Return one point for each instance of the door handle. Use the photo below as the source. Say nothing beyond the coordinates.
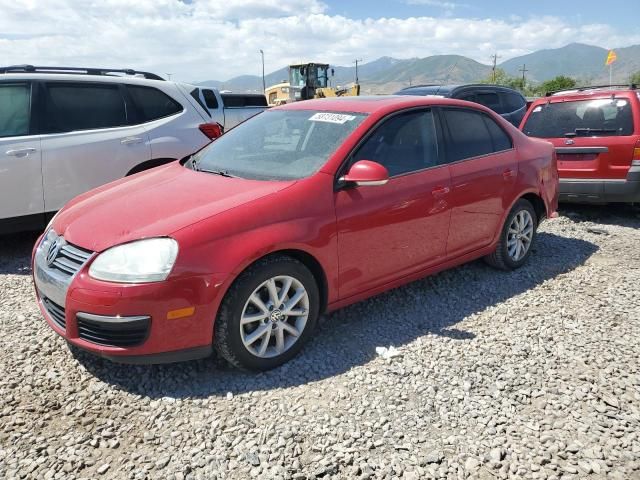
(438, 192)
(507, 174)
(20, 152)
(130, 140)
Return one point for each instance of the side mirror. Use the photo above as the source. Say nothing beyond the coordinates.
(365, 173)
(333, 72)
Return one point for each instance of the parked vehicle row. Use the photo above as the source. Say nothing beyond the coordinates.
(64, 131)
(300, 210)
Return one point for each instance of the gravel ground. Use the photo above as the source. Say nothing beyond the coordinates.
(530, 374)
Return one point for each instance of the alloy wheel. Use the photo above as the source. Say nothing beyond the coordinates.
(274, 316)
(519, 235)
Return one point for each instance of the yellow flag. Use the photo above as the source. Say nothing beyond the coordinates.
(611, 57)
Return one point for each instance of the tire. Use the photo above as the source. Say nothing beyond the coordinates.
(503, 257)
(248, 317)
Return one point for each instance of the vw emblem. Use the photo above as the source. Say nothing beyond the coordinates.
(569, 141)
(54, 248)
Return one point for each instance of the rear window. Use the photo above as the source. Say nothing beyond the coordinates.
(69, 107)
(603, 117)
(152, 103)
(231, 100)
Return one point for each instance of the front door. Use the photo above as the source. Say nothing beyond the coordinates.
(20, 155)
(390, 231)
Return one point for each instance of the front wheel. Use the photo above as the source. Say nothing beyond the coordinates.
(517, 237)
(268, 314)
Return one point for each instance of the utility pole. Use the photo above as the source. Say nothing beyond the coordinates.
(356, 62)
(168, 76)
(494, 58)
(523, 70)
(264, 88)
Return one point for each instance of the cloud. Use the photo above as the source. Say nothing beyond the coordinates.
(213, 39)
(434, 3)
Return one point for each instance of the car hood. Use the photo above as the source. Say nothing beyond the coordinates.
(154, 203)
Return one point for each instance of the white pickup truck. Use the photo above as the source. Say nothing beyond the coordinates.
(229, 109)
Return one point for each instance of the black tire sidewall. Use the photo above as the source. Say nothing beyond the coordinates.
(243, 288)
(518, 207)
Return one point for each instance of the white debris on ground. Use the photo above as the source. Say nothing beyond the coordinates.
(529, 374)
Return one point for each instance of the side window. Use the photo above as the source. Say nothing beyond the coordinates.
(469, 135)
(15, 102)
(501, 141)
(210, 99)
(404, 143)
(153, 104)
(82, 106)
(513, 102)
(490, 100)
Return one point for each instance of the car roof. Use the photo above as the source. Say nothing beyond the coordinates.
(448, 90)
(81, 78)
(374, 103)
(443, 90)
(587, 94)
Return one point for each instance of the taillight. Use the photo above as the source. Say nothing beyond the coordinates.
(636, 155)
(211, 130)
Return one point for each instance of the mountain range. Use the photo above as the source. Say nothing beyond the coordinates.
(585, 63)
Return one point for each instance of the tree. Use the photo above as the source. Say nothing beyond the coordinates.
(635, 78)
(503, 78)
(558, 83)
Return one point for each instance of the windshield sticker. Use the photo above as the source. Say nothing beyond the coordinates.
(331, 117)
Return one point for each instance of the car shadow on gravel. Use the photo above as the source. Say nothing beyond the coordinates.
(348, 338)
(617, 214)
(15, 253)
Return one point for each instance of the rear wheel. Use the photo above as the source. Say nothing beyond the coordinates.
(517, 237)
(268, 314)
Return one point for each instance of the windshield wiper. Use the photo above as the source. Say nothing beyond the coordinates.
(587, 131)
(222, 173)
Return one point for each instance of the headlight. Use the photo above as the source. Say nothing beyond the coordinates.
(137, 262)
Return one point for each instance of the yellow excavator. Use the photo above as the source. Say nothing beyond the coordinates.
(307, 81)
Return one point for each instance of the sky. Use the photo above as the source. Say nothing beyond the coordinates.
(196, 40)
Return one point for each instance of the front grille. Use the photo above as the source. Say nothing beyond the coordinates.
(70, 259)
(56, 312)
(113, 332)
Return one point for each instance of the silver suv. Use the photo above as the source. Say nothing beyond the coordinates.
(64, 131)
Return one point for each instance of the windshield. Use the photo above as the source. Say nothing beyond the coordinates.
(599, 118)
(278, 144)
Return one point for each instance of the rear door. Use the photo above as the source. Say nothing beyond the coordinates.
(86, 138)
(20, 153)
(594, 138)
(483, 166)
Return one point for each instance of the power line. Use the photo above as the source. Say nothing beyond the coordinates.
(523, 70)
(356, 62)
(494, 58)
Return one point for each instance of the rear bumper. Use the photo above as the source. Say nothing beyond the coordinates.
(582, 190)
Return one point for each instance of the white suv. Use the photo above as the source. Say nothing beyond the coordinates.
(64, 131)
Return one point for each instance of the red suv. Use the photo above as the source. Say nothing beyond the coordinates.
(300, 210)
(596, 132)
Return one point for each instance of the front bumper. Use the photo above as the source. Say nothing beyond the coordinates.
(581, 190)
(129, 323)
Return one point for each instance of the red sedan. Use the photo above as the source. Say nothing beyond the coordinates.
(301, 210)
